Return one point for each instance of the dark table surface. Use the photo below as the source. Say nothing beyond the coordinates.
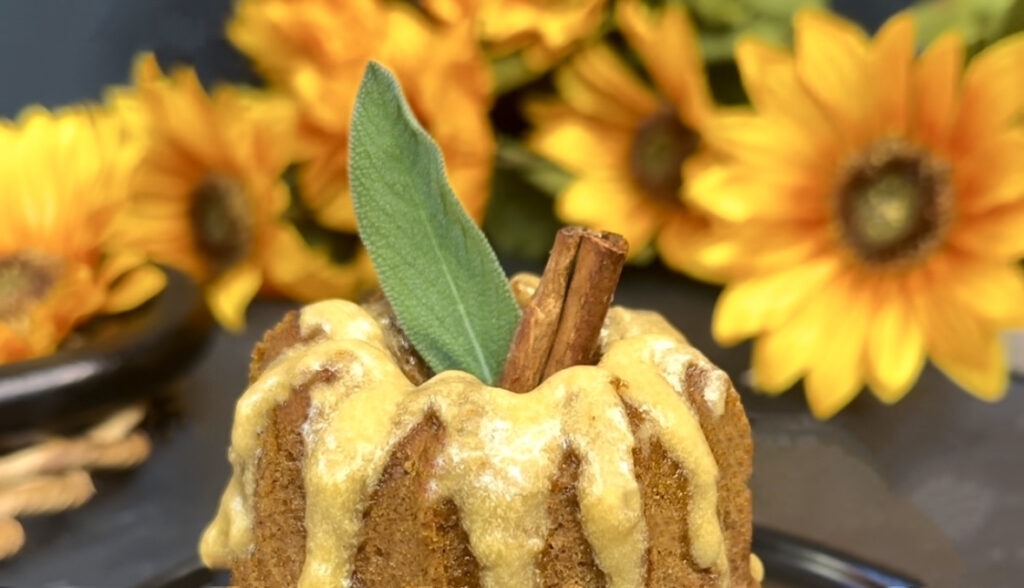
(933, 486)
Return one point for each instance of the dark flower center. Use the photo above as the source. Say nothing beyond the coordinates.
(894, 203)
(661, 144)
(25, 278)
(221, 221)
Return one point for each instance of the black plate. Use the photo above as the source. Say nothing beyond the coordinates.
(789, 562)
(108, 361)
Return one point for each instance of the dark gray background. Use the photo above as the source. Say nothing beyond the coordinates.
(58, 51)
(54, 52)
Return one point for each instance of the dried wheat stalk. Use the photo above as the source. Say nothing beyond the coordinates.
(53, 476)
(12, 537)
(46, 494)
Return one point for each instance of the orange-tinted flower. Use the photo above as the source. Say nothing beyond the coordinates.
(208, 195)
(64, 177)
(316, 50)
(544, 31)
(875, 224)
(635, 151)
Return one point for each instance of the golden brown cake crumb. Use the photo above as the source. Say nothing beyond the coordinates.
(663, 488)
(279, 548)
(567, 559)
(404, 533)
(283, 336)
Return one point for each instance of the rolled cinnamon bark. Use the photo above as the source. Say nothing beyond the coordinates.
(562, 323)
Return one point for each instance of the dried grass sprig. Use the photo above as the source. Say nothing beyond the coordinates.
(53, 475)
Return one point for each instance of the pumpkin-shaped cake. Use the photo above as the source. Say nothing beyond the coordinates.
(350, 470)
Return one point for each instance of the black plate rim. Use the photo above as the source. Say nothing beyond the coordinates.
(785, 556)
(69, 385)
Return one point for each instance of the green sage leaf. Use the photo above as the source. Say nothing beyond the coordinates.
(447, 288)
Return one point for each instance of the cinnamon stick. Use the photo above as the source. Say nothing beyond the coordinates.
(535, 334)
(561, 324)
(599, 264)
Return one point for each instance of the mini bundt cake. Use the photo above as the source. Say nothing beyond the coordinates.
(355, 466)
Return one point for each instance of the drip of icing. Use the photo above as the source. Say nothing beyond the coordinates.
(715, 390)
(501, 452)
(637, 361)
(756, 568)
(229, 536)
(503, 449)
(339, 320)
(624, 323)
(345, 455)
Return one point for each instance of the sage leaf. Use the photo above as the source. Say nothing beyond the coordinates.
(448, 290)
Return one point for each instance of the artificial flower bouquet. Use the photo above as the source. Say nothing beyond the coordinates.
(858, 196)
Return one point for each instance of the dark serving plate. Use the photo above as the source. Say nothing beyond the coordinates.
(106, 362)
(790, 562)
(793, 562)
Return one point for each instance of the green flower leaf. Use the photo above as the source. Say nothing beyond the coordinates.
(447, 288)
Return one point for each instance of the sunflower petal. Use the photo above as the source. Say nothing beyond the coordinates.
(998, 233)
(760, 247)
(991, 175)
(230, 294)
(836, 375)
(134, 288)
(993, 88)
(182, 110)
(895, 347)
(119, 263)
(338, 212)
(597, 84)
(579, 145)
(831, 60)
(770, 79)
(991, 291)
(781, 356)
(767, 144)
(893, 52)
(612, 204)
(680, 243)
(966, 349)
(298, 271)
(748, 307)
(757, 60)
(935, 80)
(983, 371)
(14, 346)
(666, 43)
(323, 186)
(736, 194)
(145, 68)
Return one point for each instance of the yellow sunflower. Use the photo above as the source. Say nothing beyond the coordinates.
(291, 46)
(634, 151)
(878, 202)
(544, 31)
(64, 178)
(442, 72)
(208, 195)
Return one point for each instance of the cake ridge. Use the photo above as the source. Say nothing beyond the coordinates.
(651, 388)
(229, 536)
